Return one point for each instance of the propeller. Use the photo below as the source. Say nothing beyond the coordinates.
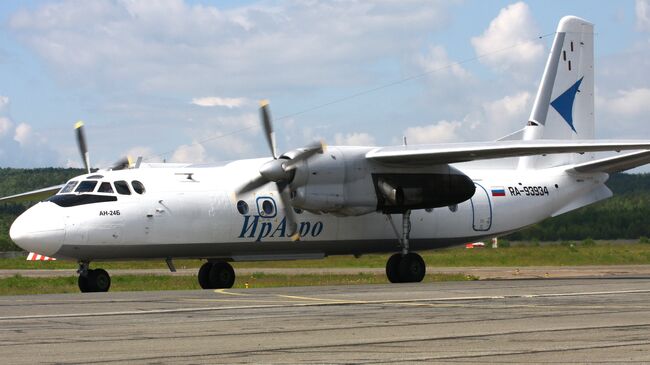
(81, 142)
(280, 170)
(123, 163)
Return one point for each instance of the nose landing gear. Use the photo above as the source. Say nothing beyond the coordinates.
(92, 281)
(405, 267)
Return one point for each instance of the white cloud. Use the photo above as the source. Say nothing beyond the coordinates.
(194, 153)
(513, 26)
(623, 113)
(4, 102)
(217, 101)
(23, 133)
(147, 153)
(642, 11)
(442, 131)
(627, 103)
(186, 47)
(437, 62)
(5, 126)
(507, 114)
(354, 139)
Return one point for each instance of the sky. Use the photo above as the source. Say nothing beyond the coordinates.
(180, 80)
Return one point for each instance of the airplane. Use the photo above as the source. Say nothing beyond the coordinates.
(320, 200)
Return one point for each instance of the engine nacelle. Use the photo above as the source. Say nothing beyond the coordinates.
(398, 192)
(341, 181)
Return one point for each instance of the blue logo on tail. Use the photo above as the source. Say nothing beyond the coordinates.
(564, 103)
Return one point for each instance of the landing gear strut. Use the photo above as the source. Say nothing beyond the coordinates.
(405, 267)
(91, 281)
(216, 275)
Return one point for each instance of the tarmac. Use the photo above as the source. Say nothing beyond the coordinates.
(483, 273)
(587, 320)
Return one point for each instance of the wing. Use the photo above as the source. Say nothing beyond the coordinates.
(39, 194)
(614, 163)
(463, 152)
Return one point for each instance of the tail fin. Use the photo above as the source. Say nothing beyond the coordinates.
(564, 105)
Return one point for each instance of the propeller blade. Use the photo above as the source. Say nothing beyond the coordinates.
(290, 216)
(123, 163)
(81, 142)
(268, 127)
(257, 182)
(303, 154)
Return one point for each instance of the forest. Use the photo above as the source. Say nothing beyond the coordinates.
(624, 216)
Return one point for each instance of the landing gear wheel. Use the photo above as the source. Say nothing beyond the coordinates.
(412, 268)
(84, 287)
(96, 280)
(99, 280)
(204, 276)
(221, 276)
(392, 268)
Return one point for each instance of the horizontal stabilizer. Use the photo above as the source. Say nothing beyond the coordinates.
(600, 192)
(615, 163)
(463, 152)
(33, 195)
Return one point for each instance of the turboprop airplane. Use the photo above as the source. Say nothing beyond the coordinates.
(318, 201)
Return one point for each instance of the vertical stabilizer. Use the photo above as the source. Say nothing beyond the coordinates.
(564, 104)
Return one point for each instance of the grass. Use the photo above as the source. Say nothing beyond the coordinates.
(19, 285)
(560, 254)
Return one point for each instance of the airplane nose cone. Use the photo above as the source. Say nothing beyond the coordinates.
(40, 229)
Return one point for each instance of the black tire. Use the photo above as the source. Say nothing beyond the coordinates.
(84, 287)
(222, 276)
(392, 268)
(412, 268)
(204, 276)
(99, 280)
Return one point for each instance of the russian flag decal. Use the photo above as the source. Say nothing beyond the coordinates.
(498, 191)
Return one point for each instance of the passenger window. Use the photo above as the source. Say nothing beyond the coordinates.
(68, 188)
(122, 187)
(137, 187)
(105, 187)
(86, 186)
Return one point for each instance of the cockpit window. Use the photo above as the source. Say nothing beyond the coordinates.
(86, 186)
(137, 187)
(105, 187)
(122, 187)
(68, 188)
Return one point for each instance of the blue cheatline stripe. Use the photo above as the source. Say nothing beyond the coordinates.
(564, 103)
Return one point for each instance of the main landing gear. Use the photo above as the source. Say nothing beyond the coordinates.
(216, 275)
(405, 267)
(91, 281)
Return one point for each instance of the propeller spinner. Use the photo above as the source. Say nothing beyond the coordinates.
(280, 170)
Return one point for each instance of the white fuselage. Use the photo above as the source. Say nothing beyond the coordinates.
(193, 212)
